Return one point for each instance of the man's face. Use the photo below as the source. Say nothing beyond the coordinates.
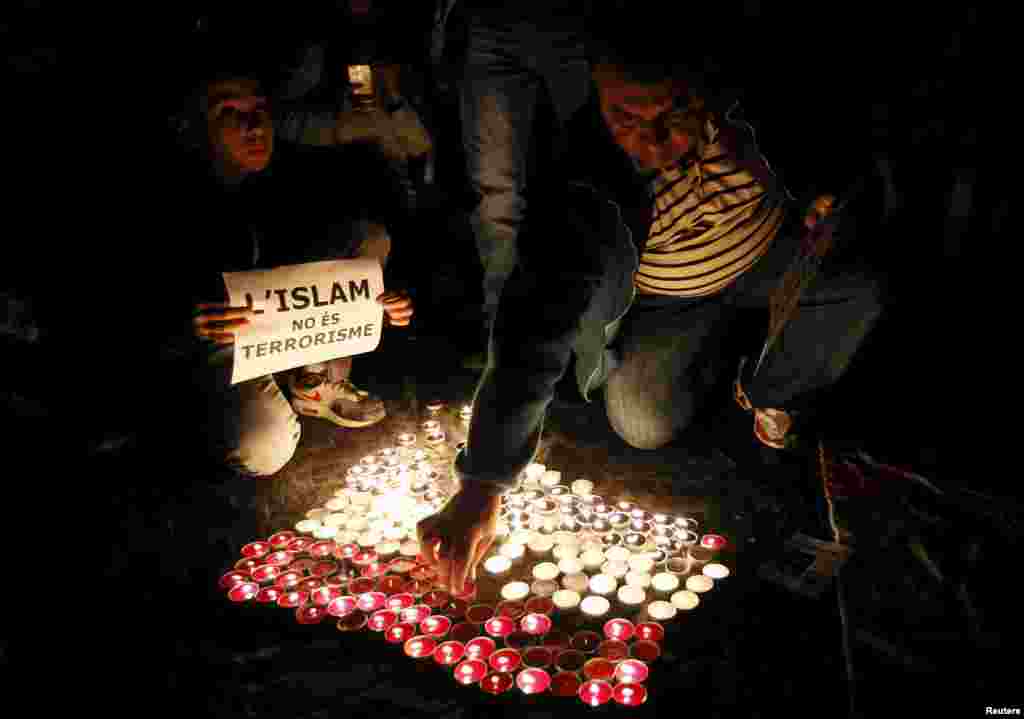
(645, 119)
(241, 131)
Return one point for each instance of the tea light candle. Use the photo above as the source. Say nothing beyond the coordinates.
(600, 526)
(630, 695)
(420, 647)
(602, 584)
(545, 570)
(280, 540)
(699, 583)
(570, 660)
(497, 565)
(595, 606)
(535, 624)
(595, 692)
(582, 487)
(505, 660)
(631, 671)
(499, 627)
(614, 568)
(415, 614)
(631, 595)
(621, 629)
(540, 544)
(661, 610)
(513, 610)
(497, 683)
(576, 582)
(544, 587)
(449, 653)
(533, 681)
(566, 551)
(645, 651)
(233, 579)
(634, 541)
(638, 579)
(341, 606)
(641, 565)
(649, 632)
(685, 600)
(399, 601)
(243, 592)
(512, 551)
(436, 626)
(566, 599)
(612, 539)
(537, 657)
(618, 520)
(470, 671)
(371, 601)
(715, 570)
(677, 565)
(613, 649)
(382, 620)
(515, 590)
(521, 536)
(592, 559)
(685, 537)
(599, 668)
(665, 582)
(401, 633)
(714, 542)
(268, 595)
(291, 599)
(307, 526)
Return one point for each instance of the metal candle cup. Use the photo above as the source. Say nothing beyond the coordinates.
(352, 622)
(497, 682)
(630, 695)
(470, 671)
(533, 681)
(540, 605)
(599, 668)
(400, 633)
(535, 624)
(613, 649)
(449, 653)
(631, 671)
(595, 692)
(420, 647)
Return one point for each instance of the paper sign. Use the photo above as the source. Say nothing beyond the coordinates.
(305, 314)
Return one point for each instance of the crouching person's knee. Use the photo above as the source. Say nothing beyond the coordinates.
(645, 425)
(265, 447)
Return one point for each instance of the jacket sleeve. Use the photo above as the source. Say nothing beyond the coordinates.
(536, 326)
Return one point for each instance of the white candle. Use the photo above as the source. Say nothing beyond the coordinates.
(699, 583)
(357, 524)
(512, 550)
(541, 544)
(346, 537)
(603, 584)
(545, 570)
(565, 537)
(566, 551)
(386, 550)
(336, 504)
(632, 595)
(715, 570)
(325, 532)
(592, 545)
(395, 533)
(570, 565)
(592, 559)
(307, 526)
(661, 610)
(515, 590)
(641, 565)
(497, 565)
(551, 478)
(575, 582)
(566, 599)
(582, 487)
(409, 549)
(595, 606)
(615, 568)
(665, 582)
(638, 579)
(522, 536)
(685, 600)
(370, 539)
(618, 554)
(544, 587)
(337, 519)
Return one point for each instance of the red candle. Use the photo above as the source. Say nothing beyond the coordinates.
(352, 623)
(449, 653)
(266, 572)
(585, 641)
(556, 639)
(341, 606)
(436, 626)
(645, 651)
(336, 580)
(371, 601)
(361, 585)
(535, 624)
(437, 598)
(420, 647)
(364, 558)
(537, 657)
(245, 565)
(613, 649)
(243, 592)
(499, 626)
(621, 629)
(310, 614)
(303, 565)
(540, 605)
(631, 671)
(392, 585)
(480, 648)
(419, 587)
(323, 595)
(570, 660)
(279, 558)
(468, 592)
(310, 584)
(630, 695)
(255, 550)
(280, 540)
(268, 595)
(288, 580)
(464, 631)
(401, 565)
(533, 681)
(479, 613)
(565, 684)
(505, 660)
(422, 572)
(599, 668)
(324, 569)
(322, 549)
(291, 599)
(713, 542)
(301, 544)
(415, 614)
(512, 609)
(400, 633)
(470, 671)
(496, 683)
(233, 579)
(649, 631)
(595, 692)
(518, 639)
(400, 601)
(455, 608)
(346, 551)
(382, 620)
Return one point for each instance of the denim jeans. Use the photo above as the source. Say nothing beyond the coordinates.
(251, 426)
(509, 70)
(670, 356)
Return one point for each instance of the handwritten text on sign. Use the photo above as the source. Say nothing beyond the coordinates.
(305, 314)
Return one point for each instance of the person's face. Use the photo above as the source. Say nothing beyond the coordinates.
(241, 131)
(645, 119)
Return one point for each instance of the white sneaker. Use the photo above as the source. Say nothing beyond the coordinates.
(339, 402)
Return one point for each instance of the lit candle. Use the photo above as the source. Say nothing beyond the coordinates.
(341, 606)
(243, 592)
(661, 610)
(618, 628)
(399, 601)
(449, 653)
(420, 647)
(595, 692)
(233, 579)
(685, 600)
(497, 683)
(535, 624)
(522, 536)
(515, 590)
(287, 580)
(382, 620)
(638, 579)
(371, 601)
(512, 551)
(566, 599)
(544, 587)
(537, 657)
(630, 695)
(631, 671)
(614, 568)
(497, 564)
(533, 681)
(575, 582)
(631, 595)
(280, 540)
(699, 583)
(470, 671)
(595, 606)
(714, 542)
(602, 584)
(307, 526)
(401, 633)
(540, 544)
(570, 565)
(612, 539)
(599, 668)
(499, 627)
(436, 626)
(600, 526)
(582, 487)
(715, 570)
(649, 632)
(291, 599)
(545, 570)
(613, 649)
(505, 660)
(636, 542)
(685, 537)
(268, 595)
(664, 582)
(618, 520)
(570, 660)
(592, 559)
(566, 551)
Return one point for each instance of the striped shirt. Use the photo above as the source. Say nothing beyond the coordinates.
(712, 221)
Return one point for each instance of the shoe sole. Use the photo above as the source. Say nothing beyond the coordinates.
(331, 416)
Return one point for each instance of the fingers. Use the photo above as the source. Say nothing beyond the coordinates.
(428, 543)
(458, 567)
(481, 551)
(397, 306)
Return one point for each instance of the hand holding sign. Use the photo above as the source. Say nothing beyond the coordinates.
(397, 308)
(218, 321)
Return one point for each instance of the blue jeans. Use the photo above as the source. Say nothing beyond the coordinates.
(508, 70)
(672, 355)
